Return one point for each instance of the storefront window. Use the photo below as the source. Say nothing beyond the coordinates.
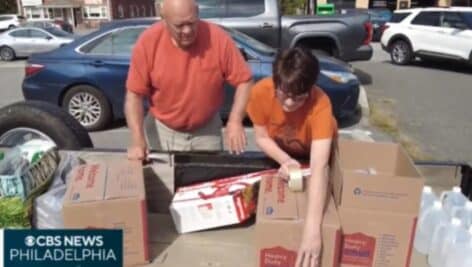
(95, 12)
(36, 13)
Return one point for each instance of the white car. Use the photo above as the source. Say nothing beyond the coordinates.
(429, 33)
(24, 41)
(8, 22)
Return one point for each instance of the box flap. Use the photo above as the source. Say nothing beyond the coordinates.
(276, 201)
(124, 179)
(87, 183)
(376, 156)
(105, 180)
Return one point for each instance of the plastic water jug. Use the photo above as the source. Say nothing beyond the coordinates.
(460, 253)
(444, 239)
(452, 199)
(464, 214)
(427, 223)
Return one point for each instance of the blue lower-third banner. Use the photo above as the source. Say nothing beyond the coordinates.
(64, 248)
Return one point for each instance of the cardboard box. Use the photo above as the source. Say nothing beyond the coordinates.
(376, 239)
(376, 176)
(214, 204)
(378, 192)
(110, 194)
(280, 222)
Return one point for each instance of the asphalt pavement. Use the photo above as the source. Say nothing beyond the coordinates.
(430, 99)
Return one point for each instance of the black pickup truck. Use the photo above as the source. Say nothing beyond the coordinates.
(346, 37)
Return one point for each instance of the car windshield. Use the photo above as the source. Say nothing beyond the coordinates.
(253, 43)
(468, 18)
(57, 32)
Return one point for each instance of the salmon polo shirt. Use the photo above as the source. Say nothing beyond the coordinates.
(185, 86)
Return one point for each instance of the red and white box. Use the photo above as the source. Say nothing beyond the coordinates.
(217, 203)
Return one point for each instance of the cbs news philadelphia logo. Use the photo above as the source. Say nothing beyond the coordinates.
(35, 248)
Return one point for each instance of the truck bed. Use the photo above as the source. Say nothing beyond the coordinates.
(229, 246)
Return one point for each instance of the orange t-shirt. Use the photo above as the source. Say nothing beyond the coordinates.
(185, 86)
(292, 131)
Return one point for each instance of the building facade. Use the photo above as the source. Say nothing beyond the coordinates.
(86, 13)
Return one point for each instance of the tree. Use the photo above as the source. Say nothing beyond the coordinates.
(8, 7)
(290, 7)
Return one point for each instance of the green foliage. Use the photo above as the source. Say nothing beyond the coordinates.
(14, 213)
(289, 7)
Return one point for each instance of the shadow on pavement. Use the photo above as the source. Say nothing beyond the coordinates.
(444, 65)
(364, 77)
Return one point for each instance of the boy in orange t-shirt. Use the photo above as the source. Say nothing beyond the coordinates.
(292, 118)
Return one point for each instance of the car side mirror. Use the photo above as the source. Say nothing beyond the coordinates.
(48, 38)
(243, 52)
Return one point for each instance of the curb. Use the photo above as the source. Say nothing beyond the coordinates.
(363, 102)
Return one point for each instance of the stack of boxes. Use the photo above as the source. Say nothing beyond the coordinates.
(376, 196)
(377, 190)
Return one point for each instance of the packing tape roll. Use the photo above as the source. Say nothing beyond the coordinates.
(295, 179)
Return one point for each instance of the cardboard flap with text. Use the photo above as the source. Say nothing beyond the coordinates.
(119, 179)
(276, 202)
(374, 175)
(382, 192)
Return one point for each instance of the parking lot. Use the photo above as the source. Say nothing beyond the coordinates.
(429, 101)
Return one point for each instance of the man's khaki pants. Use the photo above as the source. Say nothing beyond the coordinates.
(162, 138)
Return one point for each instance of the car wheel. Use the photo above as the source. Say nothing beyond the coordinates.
(27, 120)
(11, 27)
(88, 106)
(7, 53)
(400, 52)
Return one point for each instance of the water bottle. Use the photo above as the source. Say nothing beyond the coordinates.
(427, 199)
(460, 253)
(464, 214)
(452, 199)
(444, 236)
(427, 223)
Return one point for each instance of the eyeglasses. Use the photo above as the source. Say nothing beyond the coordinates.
(282, 96)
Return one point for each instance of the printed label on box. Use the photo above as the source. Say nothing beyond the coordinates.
(277, 257)
(358, 249)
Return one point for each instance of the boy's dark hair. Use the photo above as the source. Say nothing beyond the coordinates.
(295, 71)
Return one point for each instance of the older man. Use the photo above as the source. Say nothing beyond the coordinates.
(181, 64)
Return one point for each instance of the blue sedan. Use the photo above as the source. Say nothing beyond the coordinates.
(87, 77)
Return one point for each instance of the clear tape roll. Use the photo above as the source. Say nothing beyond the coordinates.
(295, 180)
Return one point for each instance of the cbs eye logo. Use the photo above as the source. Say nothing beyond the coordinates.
(30, 241)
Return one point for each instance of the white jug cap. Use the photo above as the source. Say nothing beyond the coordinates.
(456, 189)
(427, 189)
(456, 221)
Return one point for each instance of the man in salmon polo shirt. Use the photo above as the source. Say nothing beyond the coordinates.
(180, 66)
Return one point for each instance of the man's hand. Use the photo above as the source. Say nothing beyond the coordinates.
(137, 152)
(235, 137)
(309, 253)
(284, 170)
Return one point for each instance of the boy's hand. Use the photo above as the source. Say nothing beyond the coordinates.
(309, 253)
(284, 169)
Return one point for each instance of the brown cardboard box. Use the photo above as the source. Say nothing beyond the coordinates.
(280, 221)
(376, 239)
(377, 190)
(376, 176)
(110, 194)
